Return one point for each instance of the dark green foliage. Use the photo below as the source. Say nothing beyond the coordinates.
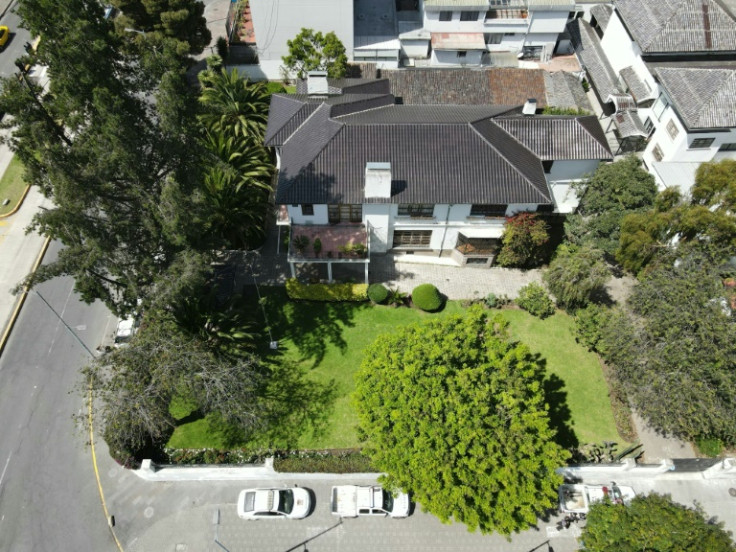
(397, 298)
(575, 274)
(551, 110)
(652, 522)
(534, 299)
(590, 323)
(318, 461)
(493, 301)
(454, 412)
(676, 359)
(614, 191)
(310, 51)
(326, 292)
(427, 297)
(317, 246)
(378, 293)
(710, 447)
(213, 456)
(223, 49)
(301, 242)
(524, 238)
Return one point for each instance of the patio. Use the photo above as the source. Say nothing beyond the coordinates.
(328, 244)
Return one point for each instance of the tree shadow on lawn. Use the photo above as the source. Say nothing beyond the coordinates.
(310, 325)
(559, 413)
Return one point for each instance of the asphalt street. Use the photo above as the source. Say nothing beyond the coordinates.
(49, 500)
(14, 47)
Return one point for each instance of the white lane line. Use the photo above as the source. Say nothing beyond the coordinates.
(2, 475)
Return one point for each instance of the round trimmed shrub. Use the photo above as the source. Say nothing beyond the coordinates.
(427, 297)
(533, 298)
(377, 293)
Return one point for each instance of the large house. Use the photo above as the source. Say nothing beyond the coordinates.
(393, 33)
(666, 72)
(355, 167)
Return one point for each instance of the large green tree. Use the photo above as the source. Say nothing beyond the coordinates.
(311, 51)
(677, 356)
(614, 191)
(454, 412)
(708, 216)
(575, 274)
(525, 238)
(652, 523)
(108, 144)
(180, 21)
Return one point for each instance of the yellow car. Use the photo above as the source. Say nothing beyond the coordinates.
(4, 36)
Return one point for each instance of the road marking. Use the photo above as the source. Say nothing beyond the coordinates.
(2, 476)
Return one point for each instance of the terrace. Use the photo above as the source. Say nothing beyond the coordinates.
(328, 244)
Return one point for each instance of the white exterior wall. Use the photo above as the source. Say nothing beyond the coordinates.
(551, 22)
(561, 178)
(450, 57)
(276, 22)
(417, 49)
(622, 52)
(432, 23)
(320, 215)
(377, 217)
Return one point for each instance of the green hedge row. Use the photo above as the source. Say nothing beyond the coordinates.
(322, 461)
(326, 292)
(214, 456)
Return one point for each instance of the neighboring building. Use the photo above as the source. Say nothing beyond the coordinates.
(433, 180)
(393, 33)
(666, 71)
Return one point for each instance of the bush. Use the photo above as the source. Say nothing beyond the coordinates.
(322, 461)
(709, 446)
(326, 292)
(377, 293)
(533, 298)
(427, 297)
(493, 301)
(222, 48)
(575, 274)
(214, 456)
(524, 240)
(589, 326)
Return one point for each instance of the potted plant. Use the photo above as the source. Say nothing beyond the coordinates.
(301, 243)
(317, 246)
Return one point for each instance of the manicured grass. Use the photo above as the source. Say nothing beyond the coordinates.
(12, 186)
(329, 340)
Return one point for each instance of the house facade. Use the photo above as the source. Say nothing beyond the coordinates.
(437, 33)
(426, 180)
(666, 73)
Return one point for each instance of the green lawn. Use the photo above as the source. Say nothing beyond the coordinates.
(12, 186)
(328, 340)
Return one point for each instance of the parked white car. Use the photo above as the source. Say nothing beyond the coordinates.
(125, 330)
(578, 498)
(354, 501)
(291, 503)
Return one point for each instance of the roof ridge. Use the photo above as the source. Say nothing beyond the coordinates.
(490, 120)
(664, 24)
(603, 143)
(708, 104)
(705, 102)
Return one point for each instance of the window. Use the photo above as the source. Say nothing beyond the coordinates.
(659, 106)
(412, 238)
(701, 143)
(547, 165)
(491, 210)
(672, 129)
(468, 16)
(344, 213)
(307, 209)
(657, 153)
(494, 38)
(729, 146)
(649, 125)
(445, 16)
(462, 54)
(416, 210)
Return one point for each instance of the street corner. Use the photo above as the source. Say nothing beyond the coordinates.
(187, 530)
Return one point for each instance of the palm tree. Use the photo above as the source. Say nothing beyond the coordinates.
(233, 105)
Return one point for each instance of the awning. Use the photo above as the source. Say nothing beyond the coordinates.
(622, 102)
(628, 124)
(458, 41)
(483, 232)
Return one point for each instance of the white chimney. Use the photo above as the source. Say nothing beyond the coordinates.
(317, 82)
(530, 107)
(378, 180)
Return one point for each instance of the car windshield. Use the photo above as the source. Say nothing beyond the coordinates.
(388, 501)
(286, 501)
(249, 501)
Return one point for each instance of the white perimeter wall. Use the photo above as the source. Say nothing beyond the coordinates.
(275, 22)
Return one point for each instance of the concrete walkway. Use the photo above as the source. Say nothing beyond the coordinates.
(658, 447)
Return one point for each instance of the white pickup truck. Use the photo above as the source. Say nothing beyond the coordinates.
(354, 501)
(579, 498)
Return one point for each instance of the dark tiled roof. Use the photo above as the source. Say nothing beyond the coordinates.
(565, 90)
(425, 114)
(289, 111)
(637, 87)
(440, 86)
(704, 98)
(602, 14)
(512, 86)
(558, 138)
(679, 26)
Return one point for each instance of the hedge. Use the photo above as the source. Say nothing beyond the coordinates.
(322, 461)
(326, 292)
(377, 293)
(427, 297)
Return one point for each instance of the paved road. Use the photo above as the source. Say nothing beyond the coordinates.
(48, 495)
(14, 48)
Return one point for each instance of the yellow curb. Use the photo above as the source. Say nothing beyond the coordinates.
(22, 298)
(18, 205)
(110, 523)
